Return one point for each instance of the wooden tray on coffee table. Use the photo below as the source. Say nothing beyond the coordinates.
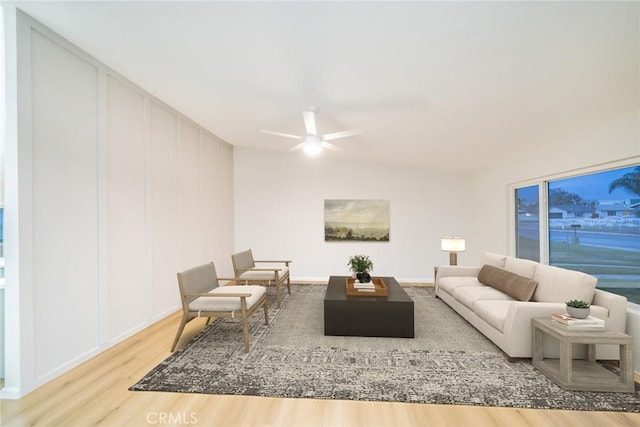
(380, 288)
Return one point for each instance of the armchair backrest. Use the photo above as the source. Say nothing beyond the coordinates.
(242, 261)
(198, 280)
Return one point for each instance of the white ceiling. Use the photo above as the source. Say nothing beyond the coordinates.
(435, 84)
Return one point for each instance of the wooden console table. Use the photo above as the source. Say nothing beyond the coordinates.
(583, 375)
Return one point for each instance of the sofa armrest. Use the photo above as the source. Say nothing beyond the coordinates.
(517, 325)
(454, 271)
(616, 306)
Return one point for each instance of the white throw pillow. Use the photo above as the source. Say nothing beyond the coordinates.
(560, 285)
(494, 259)
(522, 267)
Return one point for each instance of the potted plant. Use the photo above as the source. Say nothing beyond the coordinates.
(578, 308)
(361, 265)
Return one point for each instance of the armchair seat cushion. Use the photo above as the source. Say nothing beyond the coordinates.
(265, 275)
(214, 304)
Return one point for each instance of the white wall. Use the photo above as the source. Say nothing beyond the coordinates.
(613, 141)
(280, 200)
(279, 212)
(65, 198)
(106, 201)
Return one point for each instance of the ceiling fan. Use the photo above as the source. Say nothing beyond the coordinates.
(312, 143)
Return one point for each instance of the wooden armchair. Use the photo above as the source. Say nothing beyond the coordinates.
(202, 296)
(267, 273)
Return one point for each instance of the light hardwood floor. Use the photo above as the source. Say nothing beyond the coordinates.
(96, 393)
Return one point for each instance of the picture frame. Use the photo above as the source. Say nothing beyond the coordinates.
(356, 220)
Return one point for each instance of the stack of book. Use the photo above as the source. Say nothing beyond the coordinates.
(364, 287)
(589, 324)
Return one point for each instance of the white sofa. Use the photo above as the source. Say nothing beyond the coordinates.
(507, 321)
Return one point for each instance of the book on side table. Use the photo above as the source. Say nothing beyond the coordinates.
(572, 323)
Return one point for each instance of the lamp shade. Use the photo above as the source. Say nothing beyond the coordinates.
(452, 244)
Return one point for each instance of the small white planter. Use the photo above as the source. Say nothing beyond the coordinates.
(578, 313)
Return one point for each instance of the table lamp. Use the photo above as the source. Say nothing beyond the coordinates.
(453, 245)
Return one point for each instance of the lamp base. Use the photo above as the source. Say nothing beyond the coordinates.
(453, 258)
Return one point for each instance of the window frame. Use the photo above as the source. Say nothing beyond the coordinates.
(543, 185)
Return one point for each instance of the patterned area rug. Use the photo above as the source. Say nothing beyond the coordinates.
(448, 362)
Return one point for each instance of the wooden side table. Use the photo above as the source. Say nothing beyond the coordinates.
(583, 375)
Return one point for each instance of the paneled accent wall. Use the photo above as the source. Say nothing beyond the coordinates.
(126, 201)
(65, 203)
(122, 191)
(164, 209)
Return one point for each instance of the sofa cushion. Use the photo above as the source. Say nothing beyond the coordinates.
(522, 267)
(493, 312)
(468, 295)
(494, 259)
(452, 282)
(560, 285)
(516, 286)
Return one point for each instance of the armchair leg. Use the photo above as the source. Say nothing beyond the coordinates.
(245, 326)
(266, 311)
(278, 294)
(183, 322)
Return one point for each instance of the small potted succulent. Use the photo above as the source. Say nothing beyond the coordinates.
(361, 265)
(578, 308)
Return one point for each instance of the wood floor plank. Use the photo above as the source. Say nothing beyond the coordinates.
(96, 393)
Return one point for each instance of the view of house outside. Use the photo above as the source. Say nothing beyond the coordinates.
(594, 227)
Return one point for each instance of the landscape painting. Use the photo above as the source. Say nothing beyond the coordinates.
(356, 220)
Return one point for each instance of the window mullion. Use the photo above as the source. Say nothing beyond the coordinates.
(544, 221)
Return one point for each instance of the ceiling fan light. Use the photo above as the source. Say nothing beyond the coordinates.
(312, 148)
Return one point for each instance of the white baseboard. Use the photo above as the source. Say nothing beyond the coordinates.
(9, 393)
(15, 393)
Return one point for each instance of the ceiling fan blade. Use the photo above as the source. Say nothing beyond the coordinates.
(297, 147)
(310, 122)
(286, 135)
(341, 134)
(328, 146)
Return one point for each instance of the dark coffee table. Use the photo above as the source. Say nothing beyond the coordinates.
(367, 316)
